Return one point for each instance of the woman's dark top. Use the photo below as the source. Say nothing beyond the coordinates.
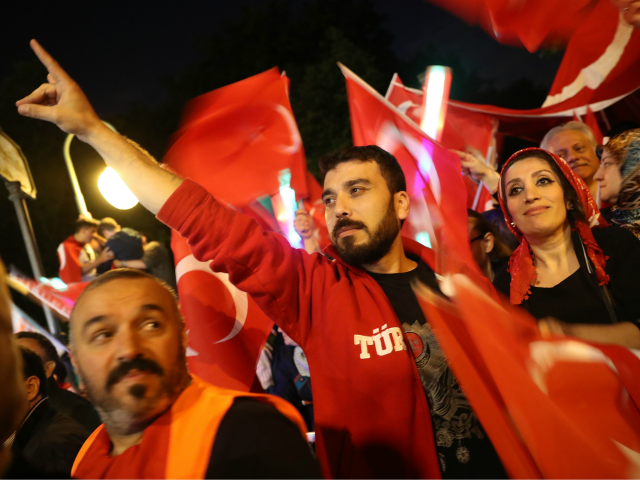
(578, 298)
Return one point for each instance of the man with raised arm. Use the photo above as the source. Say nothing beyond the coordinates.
(383, 410)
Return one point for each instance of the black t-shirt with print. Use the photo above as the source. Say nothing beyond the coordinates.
(463, 447)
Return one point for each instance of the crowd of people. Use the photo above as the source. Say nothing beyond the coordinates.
(385, 401)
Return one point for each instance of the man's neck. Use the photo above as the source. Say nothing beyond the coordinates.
(395, 261)
(122, 442)
(592, 185)
(34, 402)
(75, 237)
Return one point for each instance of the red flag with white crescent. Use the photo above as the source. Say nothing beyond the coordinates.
(226, 330)
(462, 130)
(240, 140)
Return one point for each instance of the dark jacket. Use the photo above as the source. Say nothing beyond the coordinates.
(73, 405)
(623, 267)
(49, 440)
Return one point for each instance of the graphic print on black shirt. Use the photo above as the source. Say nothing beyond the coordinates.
(463, 448)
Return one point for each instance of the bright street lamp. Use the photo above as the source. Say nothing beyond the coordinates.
(110, 185)
(115, 191)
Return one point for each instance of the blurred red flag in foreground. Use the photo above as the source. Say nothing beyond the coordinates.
(61, 301)
(238, 140)
(528, 23)
(553, 408)
(433, 174)
(225, 328)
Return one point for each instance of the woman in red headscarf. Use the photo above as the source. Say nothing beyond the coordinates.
(572, 271)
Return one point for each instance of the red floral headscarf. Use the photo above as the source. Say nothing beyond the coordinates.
(521, 267)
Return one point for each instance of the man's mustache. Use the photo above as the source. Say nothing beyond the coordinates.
(346, 222)
(139, 363)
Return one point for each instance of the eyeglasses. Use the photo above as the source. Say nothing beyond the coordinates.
(479, 237)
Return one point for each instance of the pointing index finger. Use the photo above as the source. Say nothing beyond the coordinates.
(49, 62)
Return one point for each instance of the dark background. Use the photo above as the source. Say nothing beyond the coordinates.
(139, 62)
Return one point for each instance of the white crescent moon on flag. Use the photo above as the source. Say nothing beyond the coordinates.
(293, 131)
(240, 298)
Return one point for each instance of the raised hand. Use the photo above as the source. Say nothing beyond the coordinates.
(478, 170)
(303, 224)
(60, 100)
(630, 10)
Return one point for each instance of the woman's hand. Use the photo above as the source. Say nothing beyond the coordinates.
(478, 170)
(550, 326)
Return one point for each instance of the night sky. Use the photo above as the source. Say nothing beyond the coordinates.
(120, 51)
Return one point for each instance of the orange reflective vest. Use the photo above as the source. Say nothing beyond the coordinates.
(176, 445)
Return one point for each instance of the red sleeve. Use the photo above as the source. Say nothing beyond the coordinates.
(263, 264)
(70, 270)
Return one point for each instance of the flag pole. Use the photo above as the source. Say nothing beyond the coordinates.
(480, 184)
(17, 196)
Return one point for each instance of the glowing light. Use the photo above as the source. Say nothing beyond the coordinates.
(115, 191)
(435, 100)
(424, 239)
(55, 282)
(285, 206)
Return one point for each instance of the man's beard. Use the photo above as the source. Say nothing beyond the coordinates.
(375, 248)
(127, 417)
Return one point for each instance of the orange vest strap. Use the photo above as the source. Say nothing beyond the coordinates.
(85, 446)
(196, 416)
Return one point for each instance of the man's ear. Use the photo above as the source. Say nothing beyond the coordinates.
(49, 367)
(403, 205)
(32, 385)
(488, 241)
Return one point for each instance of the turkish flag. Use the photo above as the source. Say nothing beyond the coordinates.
(528, 23)
(553, 408)
(462, 129)
(601, 62)
(226, 330)
(241, 141)
(433, 174)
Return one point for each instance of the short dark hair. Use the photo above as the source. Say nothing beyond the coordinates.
(32, 366)
(389, 166)
(50, 352)
(124, 274)
(86, 223)
(483, 226)
(570, 195)
(107, 224)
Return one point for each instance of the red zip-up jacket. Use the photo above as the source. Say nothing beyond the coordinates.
(371, 414)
